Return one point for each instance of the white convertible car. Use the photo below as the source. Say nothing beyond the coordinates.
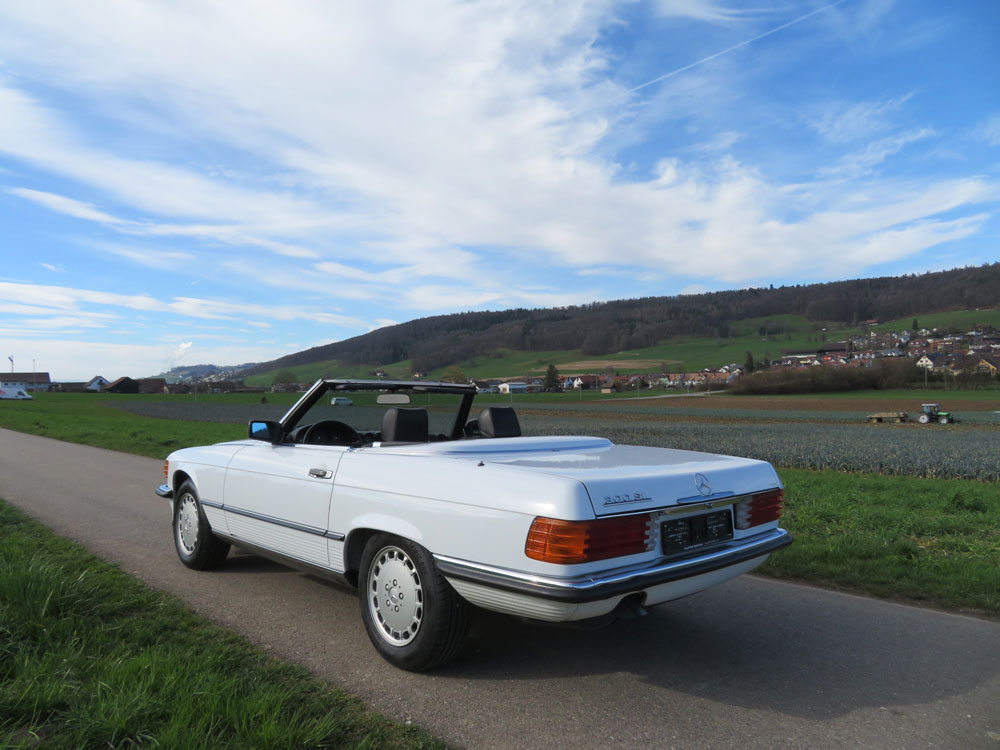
(428, 508)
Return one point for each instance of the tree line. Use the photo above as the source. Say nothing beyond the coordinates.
(607, 327)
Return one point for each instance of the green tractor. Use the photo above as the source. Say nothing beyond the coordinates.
(933, 413)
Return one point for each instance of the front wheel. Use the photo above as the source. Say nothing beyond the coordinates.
(944, 420)
(196, 545)
(414, 618)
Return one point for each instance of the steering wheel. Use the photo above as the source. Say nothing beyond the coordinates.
(330, 432)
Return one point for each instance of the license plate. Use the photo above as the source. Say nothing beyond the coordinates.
(684, 534)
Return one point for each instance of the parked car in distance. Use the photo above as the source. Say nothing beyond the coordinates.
(14, 394)
(428, 509)
(341, 401)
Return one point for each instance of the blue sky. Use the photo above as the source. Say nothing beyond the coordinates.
(195, 182)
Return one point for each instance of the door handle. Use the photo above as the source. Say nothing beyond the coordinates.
(320, 473)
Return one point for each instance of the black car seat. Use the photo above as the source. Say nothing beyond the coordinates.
(404, 425)
(498, 422)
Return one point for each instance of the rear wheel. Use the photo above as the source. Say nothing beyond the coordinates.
(196, 545)
(924, 419)
(414, 618)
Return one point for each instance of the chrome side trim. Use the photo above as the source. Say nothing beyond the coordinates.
(211, 504)
(593, 588)
(279, 522)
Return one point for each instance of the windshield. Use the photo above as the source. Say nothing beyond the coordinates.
(336, 413)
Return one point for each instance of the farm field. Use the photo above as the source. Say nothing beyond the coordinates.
(805, 432)
(905, 511)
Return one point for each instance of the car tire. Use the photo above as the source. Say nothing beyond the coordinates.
(413, 616)
(196, 545)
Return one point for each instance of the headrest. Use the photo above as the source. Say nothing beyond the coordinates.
(499, 421)
(404, 425)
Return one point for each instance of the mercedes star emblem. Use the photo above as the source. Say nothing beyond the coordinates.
(703, 485)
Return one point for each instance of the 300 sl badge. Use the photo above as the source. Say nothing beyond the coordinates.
(635, 497)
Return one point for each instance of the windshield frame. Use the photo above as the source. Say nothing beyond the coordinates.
(324, 386)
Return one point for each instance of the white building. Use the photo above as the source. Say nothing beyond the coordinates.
(513, 388)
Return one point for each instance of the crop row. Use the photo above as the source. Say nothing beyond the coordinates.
(727, 412)
(968, 454)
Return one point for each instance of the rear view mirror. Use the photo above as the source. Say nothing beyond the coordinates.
(393, 399)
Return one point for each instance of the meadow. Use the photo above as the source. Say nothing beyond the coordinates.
(91, 658)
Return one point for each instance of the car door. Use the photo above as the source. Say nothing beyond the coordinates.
(278, 497)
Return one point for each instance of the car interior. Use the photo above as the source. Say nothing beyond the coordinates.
(407, 425)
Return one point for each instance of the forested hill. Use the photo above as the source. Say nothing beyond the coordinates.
(606, 327)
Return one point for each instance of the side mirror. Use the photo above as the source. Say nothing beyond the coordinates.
(264, 430)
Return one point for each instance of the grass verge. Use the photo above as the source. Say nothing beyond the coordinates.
(934, 541)
(90, 658)
(88, 419)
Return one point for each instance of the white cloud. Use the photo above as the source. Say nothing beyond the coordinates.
(67, 206)
(862, 162)
(847, 122)
(989, 130)
(67, 299)
(81, 358)
(702, 10)
(149, 257)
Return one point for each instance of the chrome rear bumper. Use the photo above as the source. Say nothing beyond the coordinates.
(595, 588)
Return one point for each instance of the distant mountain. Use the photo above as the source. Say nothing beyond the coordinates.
(606, 327)
(208, 373)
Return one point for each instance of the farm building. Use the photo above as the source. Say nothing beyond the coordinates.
(26, 381)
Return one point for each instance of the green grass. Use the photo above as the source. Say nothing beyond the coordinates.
(932, 541)
(333, 368)
(86, 418)
(959, 319)
(90, 658)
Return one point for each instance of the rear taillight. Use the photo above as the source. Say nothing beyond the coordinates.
(569, 542)
(762, 507)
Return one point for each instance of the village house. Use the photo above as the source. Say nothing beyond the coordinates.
(509, 388)
(989, 365)
(98, 384)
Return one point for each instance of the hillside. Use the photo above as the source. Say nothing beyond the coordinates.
(689, 330)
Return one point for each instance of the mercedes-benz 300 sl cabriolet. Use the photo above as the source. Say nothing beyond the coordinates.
(429, 507)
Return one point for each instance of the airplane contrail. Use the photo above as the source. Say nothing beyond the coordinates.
(744, 43)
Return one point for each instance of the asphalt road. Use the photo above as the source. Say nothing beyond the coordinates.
(751, 664)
